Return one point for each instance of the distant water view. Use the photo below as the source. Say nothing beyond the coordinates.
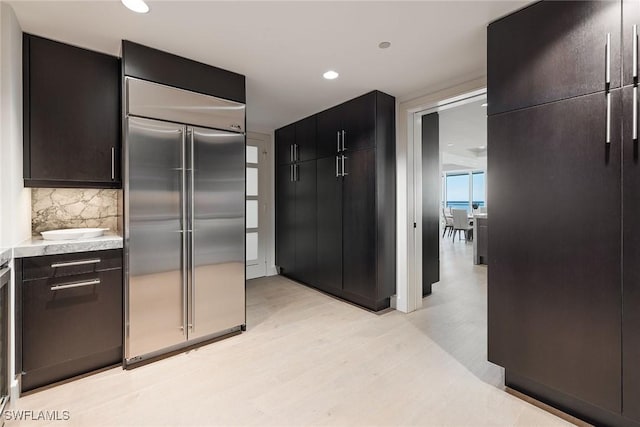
(462, 205)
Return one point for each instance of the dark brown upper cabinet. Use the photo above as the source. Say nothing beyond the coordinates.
(347, 127)
(72, 124)
(630, 18)
(285, 140)
(528, 66)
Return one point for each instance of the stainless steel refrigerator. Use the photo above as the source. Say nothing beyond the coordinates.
(184, 218)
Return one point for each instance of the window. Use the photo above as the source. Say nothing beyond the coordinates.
(463, 190)
(458, 191)
(478, 189)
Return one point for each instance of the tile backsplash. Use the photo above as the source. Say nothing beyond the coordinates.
(54, 208)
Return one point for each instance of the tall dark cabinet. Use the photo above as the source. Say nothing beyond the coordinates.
(354, 201)
(296, 200)
(564, 281)
(71, 116)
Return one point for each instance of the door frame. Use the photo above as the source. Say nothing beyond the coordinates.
(265, 206)
(409, 185)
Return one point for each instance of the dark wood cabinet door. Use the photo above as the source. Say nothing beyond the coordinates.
(554, 241)
(631, 266)
(431, 188)
(359, 123)
(551, 50)
(359, 226)
(285, 138)
(305, 139)
(329, 226)
(70, 326)
(630, 17)
(285, 219)
(328, 135)
(72, 115)
(305, 231)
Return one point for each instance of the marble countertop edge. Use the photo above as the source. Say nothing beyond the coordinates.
(37, 246)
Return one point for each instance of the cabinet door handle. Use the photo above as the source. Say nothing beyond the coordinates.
(344, 147)
(295, 152)
(608, 118)
(607, 51)
(635, 113)
(75, 284)
(338, 148)
(635, 52)
(291, 152)
(113, 163)
(74, 263)
(295, 172)
(337, 166)
(343, 169)
(291, 173)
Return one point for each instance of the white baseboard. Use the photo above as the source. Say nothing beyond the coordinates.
(272, 271)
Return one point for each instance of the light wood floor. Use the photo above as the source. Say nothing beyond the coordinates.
(308, 359)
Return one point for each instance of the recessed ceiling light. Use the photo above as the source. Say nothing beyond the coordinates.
(138, 6)
(484, 105)
(449, 145)
(482, 147)
(384, 45)
(330, 75)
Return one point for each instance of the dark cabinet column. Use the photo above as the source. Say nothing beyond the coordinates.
(631, 271)
(305, 229)
(285, 219)
(554, 282)
(329, 226)
(359, 227)
(552, 50)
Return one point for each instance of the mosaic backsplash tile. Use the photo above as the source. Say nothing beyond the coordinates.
(54, 208)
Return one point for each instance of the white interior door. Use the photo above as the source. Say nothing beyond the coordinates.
(256, 208)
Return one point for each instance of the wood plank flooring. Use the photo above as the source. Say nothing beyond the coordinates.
(309, 359)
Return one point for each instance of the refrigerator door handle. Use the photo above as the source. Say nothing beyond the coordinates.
(184, 234)
(607, 72)
(192, 257)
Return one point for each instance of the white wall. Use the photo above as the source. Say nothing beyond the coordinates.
(15, 200)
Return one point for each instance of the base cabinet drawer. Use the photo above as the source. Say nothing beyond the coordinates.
(70, 325)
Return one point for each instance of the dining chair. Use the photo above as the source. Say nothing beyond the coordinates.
(460, 223)
(448, 223)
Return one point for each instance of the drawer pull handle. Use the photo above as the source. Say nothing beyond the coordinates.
(72, 263)
(75, 285)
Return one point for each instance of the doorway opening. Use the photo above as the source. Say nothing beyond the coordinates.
(449, 188)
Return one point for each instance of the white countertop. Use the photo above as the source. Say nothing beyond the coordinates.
(37, 246)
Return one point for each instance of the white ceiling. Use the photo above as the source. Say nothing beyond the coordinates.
(284, 47)
(463, 131)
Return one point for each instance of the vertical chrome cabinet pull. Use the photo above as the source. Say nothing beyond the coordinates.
(343, 169)
(295, 152)
(295, 173)
(635, 113)
(113, 163)
(608, 60)
(337, 166)
(608, 117)
(291, 173)
(291, 152)
(344, 147)
(338, 148)
(635, 51)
